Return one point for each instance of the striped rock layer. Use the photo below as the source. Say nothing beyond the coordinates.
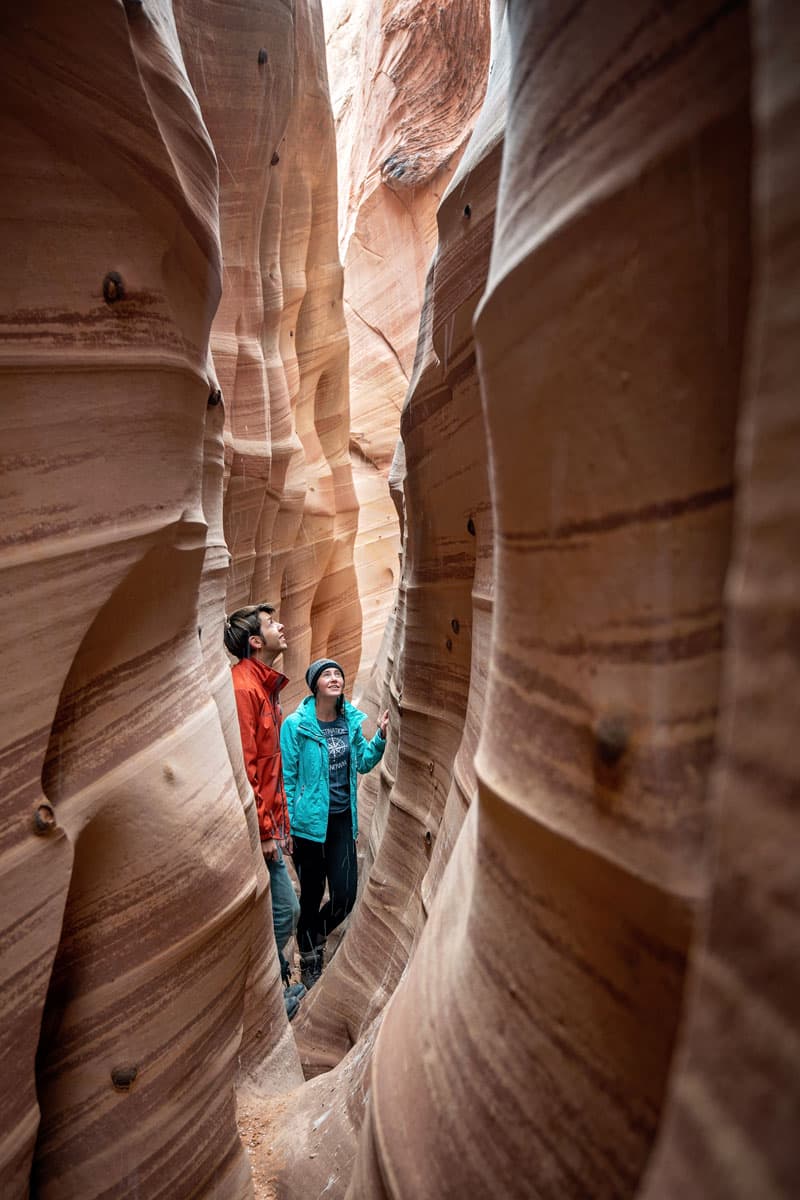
(279, 339)
(139, 972)
(407, 81)
(443, 610)
(611, 345)
(610, 417)
(128, 877)
(589, 793)
(729, 1127)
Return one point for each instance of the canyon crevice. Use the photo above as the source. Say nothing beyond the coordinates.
(470, 343)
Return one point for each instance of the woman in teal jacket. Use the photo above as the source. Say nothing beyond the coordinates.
(323, 750)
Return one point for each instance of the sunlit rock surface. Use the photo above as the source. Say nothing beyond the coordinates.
(279, 338)
(407, 80)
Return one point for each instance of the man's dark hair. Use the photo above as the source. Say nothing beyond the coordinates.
(241, 626)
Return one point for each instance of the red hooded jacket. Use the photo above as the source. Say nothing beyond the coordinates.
(257, 688)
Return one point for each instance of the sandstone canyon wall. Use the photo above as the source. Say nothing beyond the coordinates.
(584, 850)
(278, 339)
(407, 80)
(612, 335)
(226, 63)
(445, 593)
(139, 973)
(589, 793)
(730, 1125)
(612, 332)
(128, 876)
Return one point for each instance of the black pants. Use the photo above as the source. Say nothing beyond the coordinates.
(317, 863)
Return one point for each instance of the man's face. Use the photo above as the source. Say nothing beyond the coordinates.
(272, 633)
(330, 682)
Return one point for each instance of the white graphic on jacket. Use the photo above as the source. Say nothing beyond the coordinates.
(336, 735)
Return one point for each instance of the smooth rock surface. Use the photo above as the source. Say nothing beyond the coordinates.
(215, 52)
(610, 411)
(128, 882)
(279, 339)
(591, 664)
(407, 80)
(442, 594)
(730, 1128)
(140, 974)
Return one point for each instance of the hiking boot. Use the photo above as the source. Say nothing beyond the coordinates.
(291, 998)
(311, 963)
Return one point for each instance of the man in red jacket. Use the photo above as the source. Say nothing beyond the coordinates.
(256, 639)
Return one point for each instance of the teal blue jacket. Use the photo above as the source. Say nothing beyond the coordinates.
(306, 771)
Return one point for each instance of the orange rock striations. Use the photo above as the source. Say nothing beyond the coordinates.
(595, 627)
(734, 1103)
(610, 413)
(407, 81)
(128, 877)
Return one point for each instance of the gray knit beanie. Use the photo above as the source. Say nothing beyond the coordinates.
(315, 670)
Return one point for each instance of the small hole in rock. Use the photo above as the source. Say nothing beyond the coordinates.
(113, 288)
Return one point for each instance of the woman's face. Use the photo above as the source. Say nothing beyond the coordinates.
(330, 682)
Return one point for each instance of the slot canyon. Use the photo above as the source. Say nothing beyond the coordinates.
(462, 331)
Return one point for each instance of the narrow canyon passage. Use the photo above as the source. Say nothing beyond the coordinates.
(465, 335)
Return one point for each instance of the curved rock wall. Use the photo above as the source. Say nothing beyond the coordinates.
(279, 340)
(447, 557)
(139, 973)
(315, 570)
(609, 346)
(730, 1127)
(128, 879)
(501, 1016)
(407, 81)
(224, 63)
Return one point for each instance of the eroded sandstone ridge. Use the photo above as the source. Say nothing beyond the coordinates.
(279, 341)
(527, 1044)
(589, 794)
(407, 80)
(610, 415)
(139, 973)
(731, 1122)
(128, 877)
